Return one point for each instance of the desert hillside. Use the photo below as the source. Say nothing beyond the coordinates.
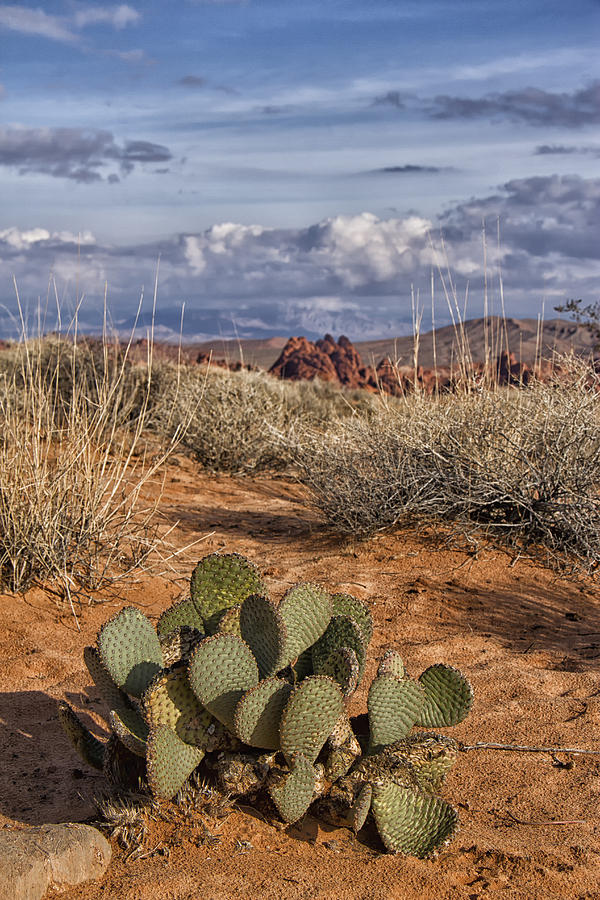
(521, 336)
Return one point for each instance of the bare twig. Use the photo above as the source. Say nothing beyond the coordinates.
(517, 748)
(549, 822)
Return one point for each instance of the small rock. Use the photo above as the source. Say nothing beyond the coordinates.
(33, 860)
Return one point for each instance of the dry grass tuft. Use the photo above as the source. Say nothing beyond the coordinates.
(75, 460)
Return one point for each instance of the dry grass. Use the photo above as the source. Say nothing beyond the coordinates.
(241, 417)
(74, 465)
(521, 466)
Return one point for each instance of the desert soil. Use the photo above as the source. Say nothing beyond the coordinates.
(528, 640)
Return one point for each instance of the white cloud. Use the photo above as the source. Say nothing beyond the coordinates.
(345, 274)
(35, 22)
(38, 23)
(117, 16)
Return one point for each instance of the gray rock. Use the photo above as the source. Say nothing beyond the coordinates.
(33, 860)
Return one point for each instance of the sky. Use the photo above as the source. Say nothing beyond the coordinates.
(302, 167)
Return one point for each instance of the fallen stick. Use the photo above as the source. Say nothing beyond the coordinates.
(550, 822)
(520, 749)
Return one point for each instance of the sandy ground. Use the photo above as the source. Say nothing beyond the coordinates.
(528, 640)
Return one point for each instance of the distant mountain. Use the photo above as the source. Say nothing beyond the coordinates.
(521, 336)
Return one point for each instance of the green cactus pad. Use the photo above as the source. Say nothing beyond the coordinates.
(183, 612)
(221, 669)
(258, 713)
(90, 749)
(130, 650)
(303, 666)
(113, 696)
(391, 664)
(263, 629)
(123, 769)
(360, 810)
(342, 631)
(169, 700)
(293, 792)
(177, 645)
(229, 623)
(347, 605)
(342, 666)
(130, 728)
(448, 697)
(220, 581)
(393, 705)
(411, 822)
(125, 720)
(170, 761)
(306, 610)
(311, 714)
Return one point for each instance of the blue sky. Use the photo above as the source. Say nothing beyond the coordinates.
(299, 167)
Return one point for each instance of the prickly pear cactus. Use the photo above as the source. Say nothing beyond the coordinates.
(256, 692)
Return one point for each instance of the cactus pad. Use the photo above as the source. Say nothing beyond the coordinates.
(130, 728)
(219, 581)
(342, 631)
(221, 669)
(391, 664)
(360, 810)
(411, 822)
(108, 690)
(90, 749)
(183, 612)
(170, 761)
(311, 714)
(169, 700)
(292, 792)
(303, 666)
(347, 605)
(229, 623)
(342, 666)
(258, 713)
(130, 650)
(263, 629)
(448, 697)
(306, 610)
(394, 705)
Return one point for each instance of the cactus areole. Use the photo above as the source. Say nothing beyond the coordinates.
(257, 691)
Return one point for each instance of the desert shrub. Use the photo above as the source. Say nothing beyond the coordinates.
(74, 465)
(522, 465)
(243, 420)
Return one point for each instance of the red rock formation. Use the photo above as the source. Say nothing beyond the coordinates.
(302, 360)
(341, 363)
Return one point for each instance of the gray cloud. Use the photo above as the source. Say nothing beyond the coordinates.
(408, 169)
(78, 154)
(198, 82)
(531, 105)
(391, 98)
(192, 81)
(349, 274)
(562, 150)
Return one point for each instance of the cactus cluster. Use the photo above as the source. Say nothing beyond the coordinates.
(257, 692)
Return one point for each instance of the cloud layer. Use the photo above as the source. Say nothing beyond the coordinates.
(83, 155)
(352, 274)
(532, 105)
